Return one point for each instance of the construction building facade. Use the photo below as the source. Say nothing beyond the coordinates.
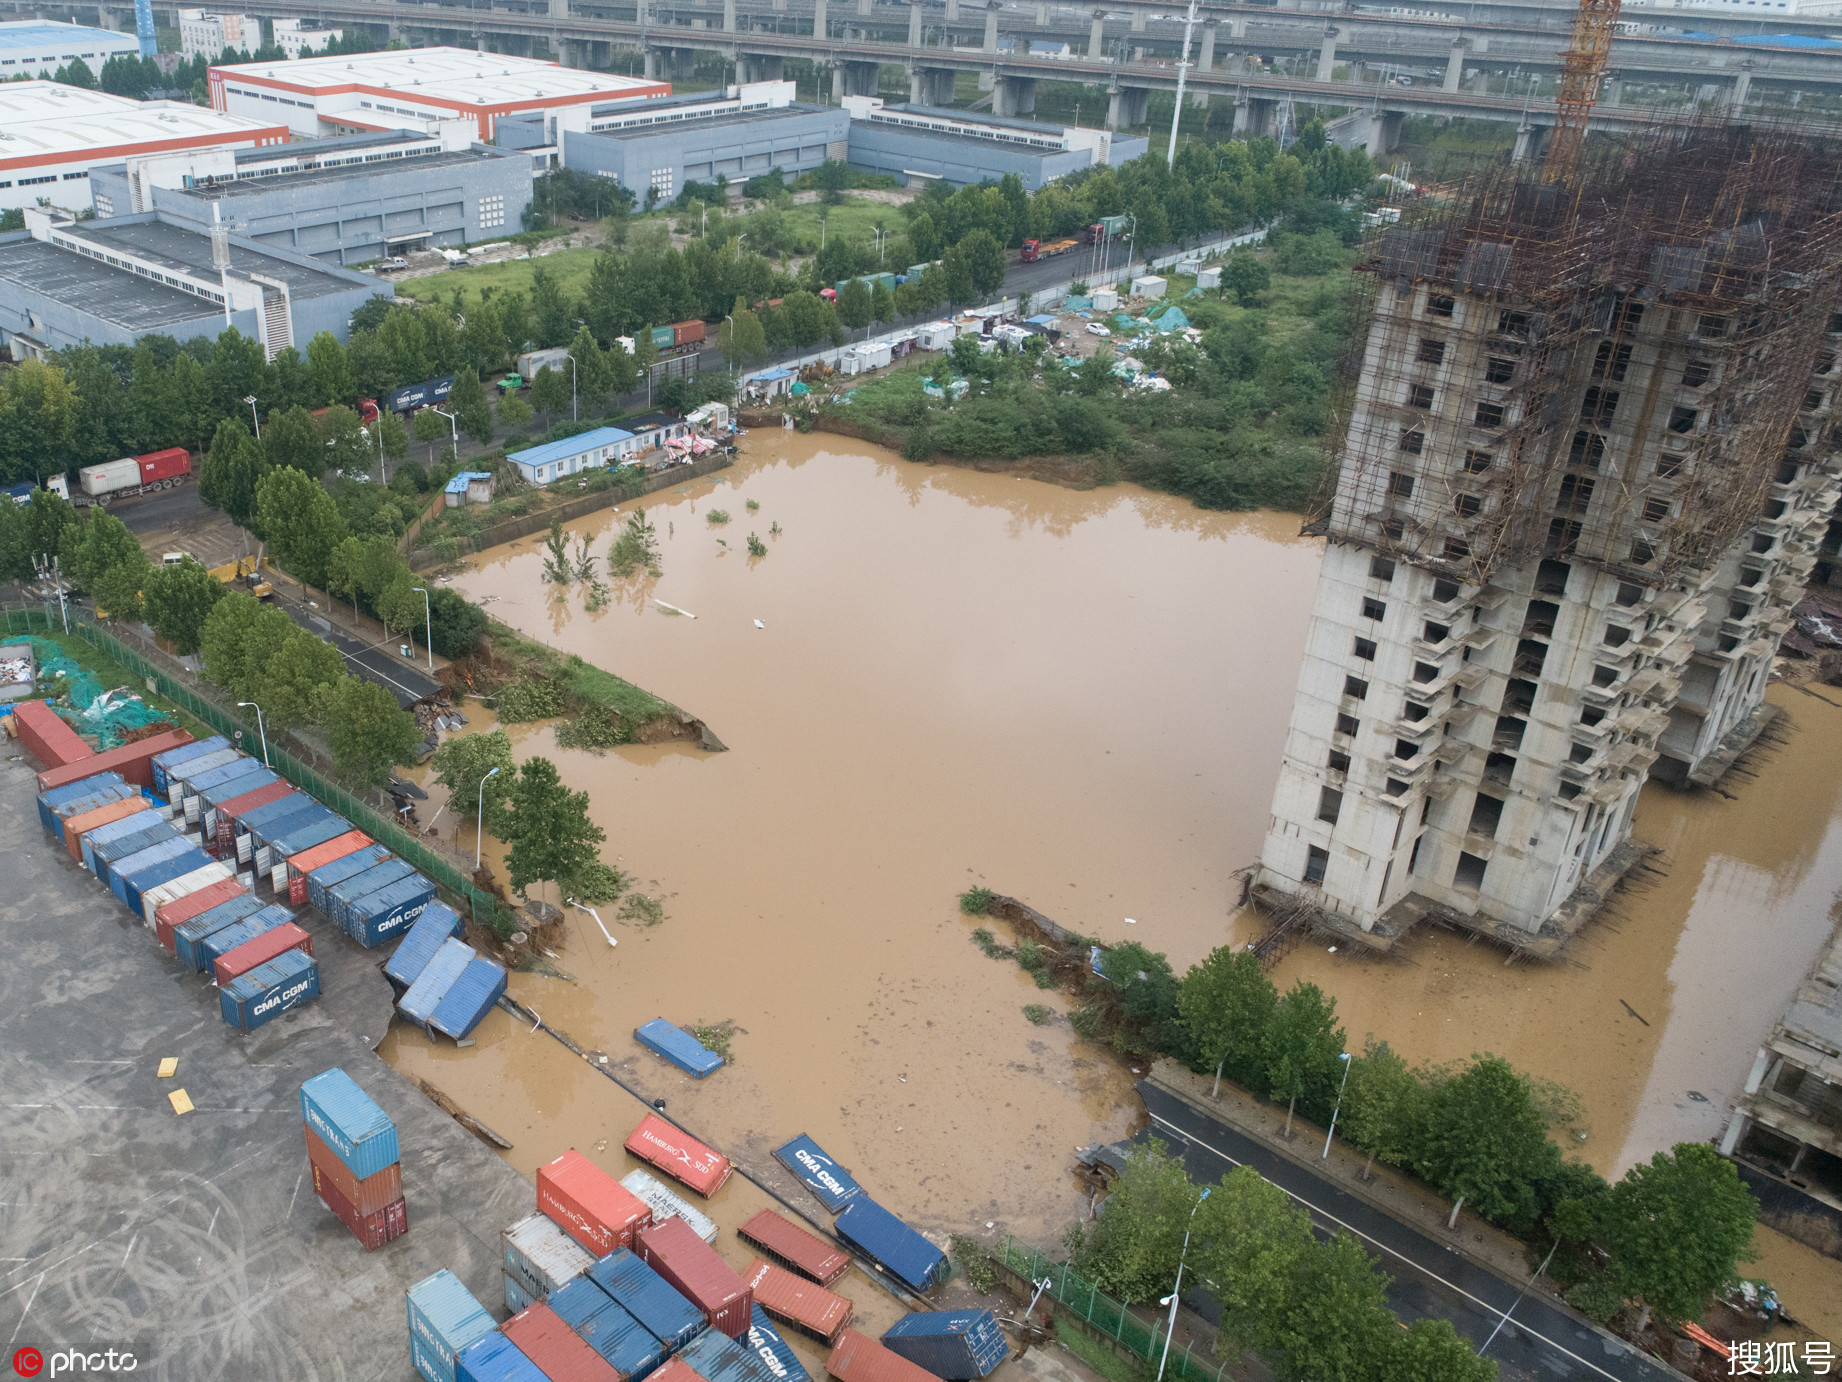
(1585, 468)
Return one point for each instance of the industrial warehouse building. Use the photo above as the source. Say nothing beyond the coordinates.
(38, 47)
(658, 146)
(923, 144)
(52, 136)
(346, 201)
(65, 282)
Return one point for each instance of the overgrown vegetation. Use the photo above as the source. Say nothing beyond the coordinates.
(1037, 1015)
(641, 910)
(974, 1262)
(976, 902)
(718, 1037)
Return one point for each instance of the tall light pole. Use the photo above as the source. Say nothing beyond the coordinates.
(251, 400)
(1176, 1290)
(453, 427)
(1183, 70)
(479, 820)
(572, 394)
(259, 728)
(1338, 1107)
(428, 625)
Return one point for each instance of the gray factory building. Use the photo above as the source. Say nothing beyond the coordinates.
(65, 282)
(922, 144)
(344, 201)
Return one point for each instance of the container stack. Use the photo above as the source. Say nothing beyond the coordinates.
(954, 1345)
(443, 1319)
(353, 1155)
(539, 1260)
(592, 1207)
(691, 1265)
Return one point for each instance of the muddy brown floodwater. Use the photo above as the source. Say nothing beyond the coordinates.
(1079, 698)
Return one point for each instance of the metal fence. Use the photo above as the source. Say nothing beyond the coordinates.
(483, 905)
(1080, 1297)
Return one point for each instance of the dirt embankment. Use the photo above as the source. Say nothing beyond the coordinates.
(1069, 472)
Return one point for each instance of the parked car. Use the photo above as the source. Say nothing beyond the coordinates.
(394, 262)
(1096, 329)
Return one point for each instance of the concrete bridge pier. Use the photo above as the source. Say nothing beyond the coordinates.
(952, 11)
(1480, 82)
(1327, 55)
(930, 86)
(853, 79)
(1384, 134)
(1455, 65)
(1531, 141)
(914, 24)
(991, 29)
(821, 22)
(759, 67)
(1138, 19)
(1255, 116)
(863, 9)
(1742, 86)
(729, 16)
(1013, 97)
(1611, 92)
(1127, 106)
(1096, 38)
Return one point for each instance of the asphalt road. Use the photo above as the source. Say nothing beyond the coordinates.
(1430, 1280)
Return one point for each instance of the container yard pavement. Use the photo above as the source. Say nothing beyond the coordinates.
(196, 1241)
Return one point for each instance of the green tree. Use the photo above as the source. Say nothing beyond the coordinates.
(300, 521)
(36, 407)
(550, 311)
(431, 427)
(592, 374)
(984, 258)
(76, 72)
(467, 402)
(552, 838)
(391, 436)
(458, 624)
(101, 545)
(461, 765)
(400, 606)
(1225, 1004)
(1131, 1251)
(550, 392)
(369, 733)
(1384, 1106)
(178, 599)
(743, 340)
(854, 304)
(46, 517)
(1245, 278)
(1303, 1046)
(118, 588)
(1145, 992)
(924, 238)
(1486, 1141)
(1336, 1323)
(345, 446)
(514, 412)
(484, 337)
(882, 304)
(230, 471)
(1250, 1238)
(637, 547)
(15, 542)
(291, 438)
(295, 682)
(330, 370)
(1430, 1350)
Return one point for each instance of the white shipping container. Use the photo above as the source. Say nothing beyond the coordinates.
(557, 357)
(654, 1194)
(109, 476)
(1106, 299)
(541, 1256)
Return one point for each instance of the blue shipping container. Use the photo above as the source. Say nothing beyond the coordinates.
(272, 810)
(469, 998)
(892, 1244)
(432, 985)
(269, 990)
(443, 1318)
(679, 1047)
(716, 1357)
(198, 748)
(212, 948)
(387, 911)
(70, 791)
(89, 801)
(605, 1326)
(766, 1343)
(649, 1298)
(825, 1178)
(240, 766)
(178, 866)
(341, 896)
(358, 1131)
(179, 777)
(291, 844)
(308, 812)
(339, 870)
(189, 936)
(494, 1358)
(958, 1345)
(124, 868)
(248, 780)
(100, 844)
(419, 944)
(517, 1299)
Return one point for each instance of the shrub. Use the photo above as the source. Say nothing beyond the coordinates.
(530, 697)
(975, 902)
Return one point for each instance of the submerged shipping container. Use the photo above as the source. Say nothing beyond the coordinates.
(437, 923)
(805, 1305)
(338, 871)
(540, 1256)
(259, 950)
(49, 800)
(46, 737)
(424, 996)
(957, 1345)
(649, 1298)
(269, 990)
(132, 761)
(347, 1119)
(306, 861)
(494, 1358)
(792, 1246)
(605, 1326)
(667, 1204)
(443, 1319)
(776, 1355)
(469, 998)
(716, 1356)
(892, 1244)
(551, 1344)
(196, 749)
(170, 915)
(214, 947)
(367, 1196)
(679, 1155)
(590, 1204)
(190, 936)
(859, 1358)
(676, 1253)
(388, 911)
(679, 1047)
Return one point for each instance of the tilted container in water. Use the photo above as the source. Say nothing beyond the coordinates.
(676, 1253)
(859, 1358)
(469, 998)
(764, 1341)
(437, 923)
(792, 1299)
(958, 1345)
(892, 1244)
(424, 996)
(677, 1046)
(792, 1246)
(679, 1155)
(665, 1204)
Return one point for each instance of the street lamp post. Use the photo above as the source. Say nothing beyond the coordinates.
(1338, 1107)
(1177, 1289)
(260, 729)
(479, 820)
(428, 625)
(572, 393)
(251, 400)
(453, 427)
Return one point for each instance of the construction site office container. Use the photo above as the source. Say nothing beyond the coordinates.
(92, 813)
(341, 896)
(51, 742)
(209, 875)
(160, 763)
(866, 1226)
(132, 761)
(438, 922)
(765, 1342)
(541, 1256)
(304, 862)
(338, 871)
(649, 1298)
(666, 1203)
(590, 1204)
(859, 1358)
(367, 1196)
(469, 998)
(956, 1345)
(360, 1133)
(259, 950)
(495, 1358)
(443, 1319)
(143, 881)
(170, 915)
(270, 990)
(447, 964)
(218, 944)
(556, 1349)
(791, 1246)
(805, 1305)
(389, 910)
(677, 1046)
(679, 1155)
(56, 796)
(189, 936)
(605, 1326)
(691, 1265)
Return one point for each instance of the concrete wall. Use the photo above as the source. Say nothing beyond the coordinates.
(795, 140)
(899, 152)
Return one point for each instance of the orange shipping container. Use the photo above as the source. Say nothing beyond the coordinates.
(794, 1300)
(304, 863)
(792, 1246)
(133, 761)
(75, 826)
(590, 1205)
(859, 1358)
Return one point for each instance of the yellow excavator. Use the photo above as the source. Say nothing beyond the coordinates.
(247, 573)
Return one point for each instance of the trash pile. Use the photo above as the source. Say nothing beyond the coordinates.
(1819, 626)
(115, 717)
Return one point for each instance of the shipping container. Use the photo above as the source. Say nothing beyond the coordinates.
(687, 333)
(341, 896)
(170, 464)
(555, 357)
(102, 843)
(605, 1326)
(957, 1345)
(834, 1186)
(438, 922)
(197, 749)
(196, 783)
(447, 964)
(46, 737)
(494, 1358)
(268, 991)
(373, 1230)
(48, 801)
(259, 950)
(109, 476)
(307, 838)
(92, 796)
(541, 1256)
(284, 805)
(250, 776)
(679, 1155)
(387, 911)
(93, 811)
(266, 829)
(590, 1204)
(516, 1297)
(551, 1344)
(240, 848)
(153, 865)
(338, 871)
(307, 860)
(649, 1298)
(169, 915)
(866, 1226)
(189, 936)
(676, 1253)
(677, 1046)
(360, 1133)
(180, 776)
(443, 1319)
(803, 1304)
(367, 1196)
(663, 338)
(183, 886)
(667, 1204)
(716, 1356)
(132, 761)
(859, 1358)
(764, 1341)
(794, 1247)
(671, 1370)
(469, 998)
(218, 944)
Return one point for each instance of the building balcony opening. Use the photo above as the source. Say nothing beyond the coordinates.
(1406, 749)
(1439, 305)
(1518, 697)
(1477, 462)
(1682, 420)
(1669, 466)
(1337, 762)
(1499, 768)
(1424, 672)
(1591, 716)
(1381, 569)
(1787, 472)
(1530, 655)
(1444, 591)
(1540, 618)
(1604, 676)
(1588, 449)
(1486, 814)
(1347, 724)
(1330, 804)
(1551, 578)
(1468, 877)
(1413, 712)
(1431, 352)
(1508, 733)
(1437, 633)
(1695, 374)
(1498, 370)
(1629, 595)
(1355, 687)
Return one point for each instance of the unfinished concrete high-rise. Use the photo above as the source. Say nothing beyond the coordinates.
(1584, 465)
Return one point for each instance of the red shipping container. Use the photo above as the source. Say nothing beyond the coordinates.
(798, 1302)
(859, 1358)
(590, 1205)
(559, 1352)
(792, 1246)
(169, 915)
(75, 826)
(308, 860)
(672, 1248)
(277, 940)
(382, 1226)
(52, 742)
(684, 333)
(674, 1370)
(164, 465)
(133, 761)
(679, 1155)
(368, 1196)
